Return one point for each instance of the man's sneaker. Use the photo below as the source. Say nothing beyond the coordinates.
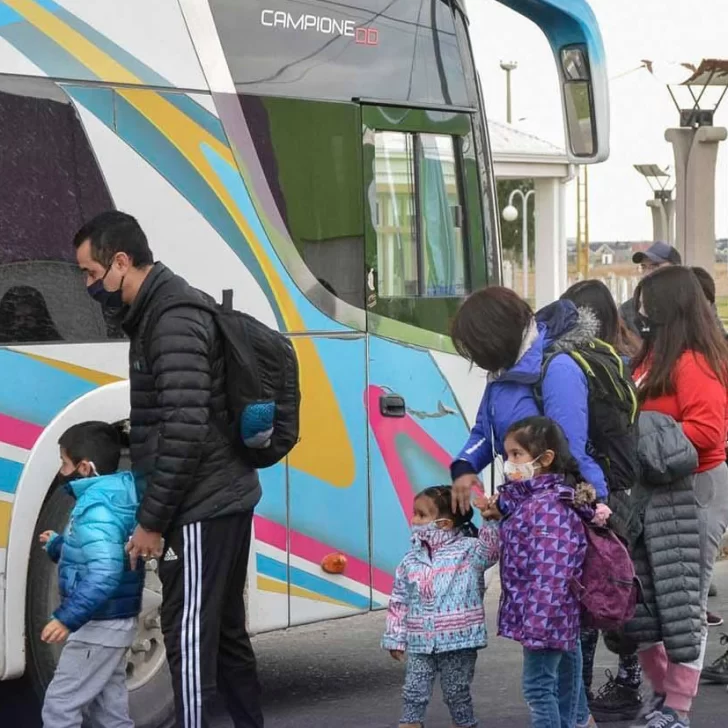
(616, 701)
(651, 709)
(714, 620)
(718, 671)
(668, 718)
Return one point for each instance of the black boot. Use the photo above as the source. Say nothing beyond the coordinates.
(718, 671)
(616, 701)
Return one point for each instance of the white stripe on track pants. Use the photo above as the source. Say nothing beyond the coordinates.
(203, 573)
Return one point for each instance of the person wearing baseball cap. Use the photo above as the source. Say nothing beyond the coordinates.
(658, 255)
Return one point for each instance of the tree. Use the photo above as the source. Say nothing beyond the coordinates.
(512, 232)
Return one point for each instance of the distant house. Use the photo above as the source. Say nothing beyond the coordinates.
(601, 254)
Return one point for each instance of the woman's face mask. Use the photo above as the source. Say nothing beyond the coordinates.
(645, 326)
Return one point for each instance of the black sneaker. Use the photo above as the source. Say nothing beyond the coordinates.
(616, 701)
(718, 671)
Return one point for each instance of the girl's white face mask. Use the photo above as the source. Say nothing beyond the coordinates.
(520, 471)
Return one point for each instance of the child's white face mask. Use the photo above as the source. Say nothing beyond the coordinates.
(521, 471)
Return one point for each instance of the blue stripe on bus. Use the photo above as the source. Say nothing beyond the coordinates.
(278, 570)
(8, 15)
(9, 475)
(36, 392)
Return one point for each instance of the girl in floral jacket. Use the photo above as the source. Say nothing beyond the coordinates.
(543, 545)
(436, 612)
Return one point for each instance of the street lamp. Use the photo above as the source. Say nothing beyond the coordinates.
(508, 66)
(510, 214)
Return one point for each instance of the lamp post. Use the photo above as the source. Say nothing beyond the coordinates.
(508, 66)
(510, 214)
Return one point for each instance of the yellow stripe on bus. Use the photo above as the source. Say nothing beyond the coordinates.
(5, 510)
(265, 583)
(90, 375)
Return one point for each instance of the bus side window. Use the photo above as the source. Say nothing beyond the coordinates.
(419, 216)
(310, 152)
(425, 237)
(51, 185)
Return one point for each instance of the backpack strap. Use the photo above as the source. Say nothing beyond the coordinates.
(538, 387)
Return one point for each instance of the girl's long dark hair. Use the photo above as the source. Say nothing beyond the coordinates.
(594, 295)
(538, 434)
(681, 320)
(441, 496)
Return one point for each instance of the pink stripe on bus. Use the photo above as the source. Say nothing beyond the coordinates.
(314, 551)
(18, 433)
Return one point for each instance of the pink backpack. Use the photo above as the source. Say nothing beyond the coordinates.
(609, 585)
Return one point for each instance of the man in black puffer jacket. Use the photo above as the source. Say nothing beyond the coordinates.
(196, 494)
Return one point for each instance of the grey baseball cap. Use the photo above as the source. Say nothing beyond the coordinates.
(658, 253)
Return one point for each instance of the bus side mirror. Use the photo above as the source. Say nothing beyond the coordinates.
(578, 101)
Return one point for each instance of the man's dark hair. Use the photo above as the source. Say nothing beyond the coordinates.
(706, 283)
(115, 232)
(488, 329)
(97, 442)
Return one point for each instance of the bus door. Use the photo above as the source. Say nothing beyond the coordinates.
(425, 250)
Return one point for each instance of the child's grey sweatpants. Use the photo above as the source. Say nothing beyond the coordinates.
(90, 678)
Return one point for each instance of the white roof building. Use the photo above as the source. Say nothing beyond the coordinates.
(518, 155)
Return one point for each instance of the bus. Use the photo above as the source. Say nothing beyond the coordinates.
(328, 162)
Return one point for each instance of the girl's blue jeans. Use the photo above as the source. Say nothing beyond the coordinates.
(554, 689)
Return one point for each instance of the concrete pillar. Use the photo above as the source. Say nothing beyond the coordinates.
(696, 152)
(659, 221)
(669, 207)
(548, 240)
(563, 249)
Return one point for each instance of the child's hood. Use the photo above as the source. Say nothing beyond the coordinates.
(117, 491)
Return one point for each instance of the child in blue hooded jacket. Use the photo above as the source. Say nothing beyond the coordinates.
(100, 594)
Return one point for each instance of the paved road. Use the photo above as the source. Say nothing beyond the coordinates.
(334, 674)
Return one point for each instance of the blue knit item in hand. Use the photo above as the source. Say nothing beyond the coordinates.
(256, 424)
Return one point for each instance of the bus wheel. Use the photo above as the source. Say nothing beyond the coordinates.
(150, 689)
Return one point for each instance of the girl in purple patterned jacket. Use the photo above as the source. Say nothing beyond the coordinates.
(543, 544)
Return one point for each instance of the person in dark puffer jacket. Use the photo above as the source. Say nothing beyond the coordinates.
(196, 493)
(682, 372)
(101, 596)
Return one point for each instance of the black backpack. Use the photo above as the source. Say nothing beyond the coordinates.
(613, 410)
(261, 381)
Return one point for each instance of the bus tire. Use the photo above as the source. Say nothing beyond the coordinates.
(151, 704)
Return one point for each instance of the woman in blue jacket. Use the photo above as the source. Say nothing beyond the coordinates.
(497, 330)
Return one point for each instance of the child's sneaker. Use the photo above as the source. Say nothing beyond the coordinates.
(591, 723)
(651, 709)
(668, 718)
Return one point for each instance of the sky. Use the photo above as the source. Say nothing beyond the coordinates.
(662, 31)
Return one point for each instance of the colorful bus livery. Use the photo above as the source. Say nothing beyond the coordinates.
(351, 211)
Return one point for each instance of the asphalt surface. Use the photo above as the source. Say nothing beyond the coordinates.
(334, 674)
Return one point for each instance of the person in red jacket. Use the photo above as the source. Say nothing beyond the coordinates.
(682, 371)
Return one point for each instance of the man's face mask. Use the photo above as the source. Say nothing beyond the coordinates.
(111, 300)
